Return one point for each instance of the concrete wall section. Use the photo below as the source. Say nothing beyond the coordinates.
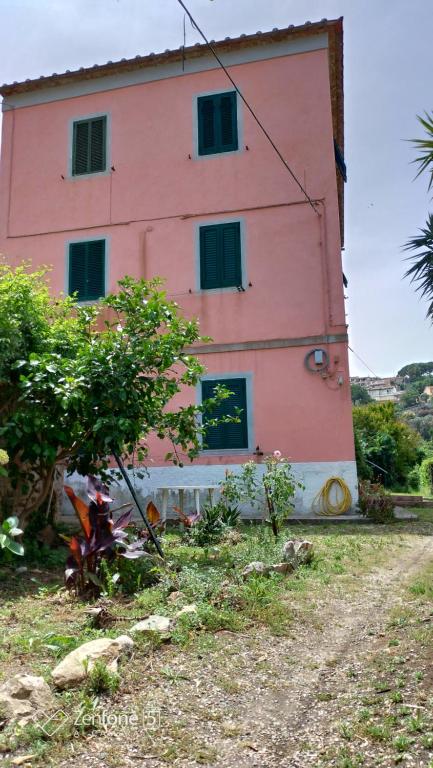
(312, 474)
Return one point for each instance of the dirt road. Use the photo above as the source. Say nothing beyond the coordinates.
(327, 695)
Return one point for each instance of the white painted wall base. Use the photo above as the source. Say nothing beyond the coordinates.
(312, 474)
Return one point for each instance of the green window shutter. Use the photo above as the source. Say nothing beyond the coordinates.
(80, 148)
(206, 123)
(220, 255)
(89, 146)
(227, 436)
(228, 122)
(87, 269)
(217, 123)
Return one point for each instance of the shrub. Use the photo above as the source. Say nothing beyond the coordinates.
(375, 503)
(274, 491)
(413, 479)
(390, 448)
(426, 475)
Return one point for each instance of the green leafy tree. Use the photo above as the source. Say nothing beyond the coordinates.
(414, 371)
(79, 382)
(412, 394)
(360, 395)
(390, 447)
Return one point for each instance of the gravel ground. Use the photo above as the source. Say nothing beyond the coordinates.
(253, 700)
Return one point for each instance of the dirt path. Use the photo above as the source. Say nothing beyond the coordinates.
(269, 702)
(294, 716)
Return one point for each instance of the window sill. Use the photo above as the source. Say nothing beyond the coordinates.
(228, 289)
(88, 302)
(227, 452)
(229, 152)
(80, 176)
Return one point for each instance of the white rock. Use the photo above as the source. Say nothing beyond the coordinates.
(256, 567)
(192, 608)
(284, 568)
(153, 623)
(25, 697)
(74, 668)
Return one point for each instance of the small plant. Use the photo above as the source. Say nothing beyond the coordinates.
(375, 503)
(402, 743)
(103, 538)
(8, 532)
(396, 697)
(211, 525)
(208, 529)
(101, 680)
(229, 515)
(274, 491)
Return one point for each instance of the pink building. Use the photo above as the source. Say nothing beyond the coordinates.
(154, 166)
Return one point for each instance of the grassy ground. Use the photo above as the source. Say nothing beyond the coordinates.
(296, 645)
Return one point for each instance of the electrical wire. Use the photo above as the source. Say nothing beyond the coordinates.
(364, 363)
(250, 109)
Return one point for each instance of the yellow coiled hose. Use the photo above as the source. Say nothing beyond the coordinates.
(323, 505)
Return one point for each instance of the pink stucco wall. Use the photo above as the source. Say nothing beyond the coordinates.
(152, 203)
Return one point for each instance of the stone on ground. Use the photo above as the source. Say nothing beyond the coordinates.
(256, 567)
(74, 668)
(192, 608)
(153, 623)
(297, 552)
(283, 568)
(25, 697)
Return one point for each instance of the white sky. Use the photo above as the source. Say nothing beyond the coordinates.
(388, 81)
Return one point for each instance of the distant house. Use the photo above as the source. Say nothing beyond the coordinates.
(381, 390)
(154, 166)
(428, 390)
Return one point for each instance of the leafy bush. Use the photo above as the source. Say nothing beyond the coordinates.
(426, 475)
(413, 479)
(375, 503)
(389, 446)
(274, 491)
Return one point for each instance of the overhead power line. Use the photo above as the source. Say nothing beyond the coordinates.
(364, 363)
(248, 106)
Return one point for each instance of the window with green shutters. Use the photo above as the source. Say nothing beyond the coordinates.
(232, 436)
(220, 255)
(87, 270)
(89, 146)
(217, 123)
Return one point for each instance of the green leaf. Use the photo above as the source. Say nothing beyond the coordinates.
(15, 547)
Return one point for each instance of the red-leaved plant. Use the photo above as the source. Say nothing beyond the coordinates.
(103, 538)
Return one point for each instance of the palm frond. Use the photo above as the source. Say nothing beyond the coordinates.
(421, 271)
(425, 146)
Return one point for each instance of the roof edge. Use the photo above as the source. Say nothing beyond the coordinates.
(168, 56)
